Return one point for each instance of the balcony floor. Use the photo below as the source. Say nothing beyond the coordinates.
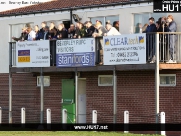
(132, 67)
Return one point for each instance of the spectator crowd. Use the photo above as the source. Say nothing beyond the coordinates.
(87, 29)
(79, 30)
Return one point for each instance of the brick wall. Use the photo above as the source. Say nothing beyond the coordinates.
(135, 93)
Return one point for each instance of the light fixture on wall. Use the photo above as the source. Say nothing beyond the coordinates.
(76, 18)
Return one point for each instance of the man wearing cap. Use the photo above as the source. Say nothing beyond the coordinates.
(90, 29)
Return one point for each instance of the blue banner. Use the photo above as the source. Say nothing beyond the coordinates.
(75, 59)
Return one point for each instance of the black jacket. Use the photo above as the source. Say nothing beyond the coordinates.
(47, 36)
(64, 33)
(151, 28)
(90, 31)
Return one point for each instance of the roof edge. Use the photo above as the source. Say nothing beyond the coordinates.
(76, 8)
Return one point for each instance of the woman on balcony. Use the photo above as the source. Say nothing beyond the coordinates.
(172, 27)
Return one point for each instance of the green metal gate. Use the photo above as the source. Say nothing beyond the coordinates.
(68, 99)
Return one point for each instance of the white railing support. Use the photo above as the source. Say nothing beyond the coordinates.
(0, 115)
(23, 115)
(94, 116)
(48, 116)
(162, 121)
(126, 120)
(64, 116)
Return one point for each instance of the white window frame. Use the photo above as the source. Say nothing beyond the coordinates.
(44, 77)
(99, 84)
(167, 75)
(103, 17)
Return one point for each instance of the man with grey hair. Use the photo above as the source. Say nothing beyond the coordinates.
(46, 35)
(111, 30)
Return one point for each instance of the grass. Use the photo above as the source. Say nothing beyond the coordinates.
(66, 133)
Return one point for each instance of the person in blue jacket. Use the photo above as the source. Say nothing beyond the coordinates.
(150, 53)
(172, 27)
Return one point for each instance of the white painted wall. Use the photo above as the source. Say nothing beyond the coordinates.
(126, 19)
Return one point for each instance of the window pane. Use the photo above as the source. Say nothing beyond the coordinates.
(93, 20)
(112, 19)
(156, 16)
(167, 80)
(140, 19)
(105, 80)
(17, 29)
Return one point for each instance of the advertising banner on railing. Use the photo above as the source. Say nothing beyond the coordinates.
(125, 49)
(75, 52)
(33, 54)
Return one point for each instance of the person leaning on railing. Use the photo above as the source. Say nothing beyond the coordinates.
(172, 27)
(62, 32)
(150, 40)
(31, 34)
(23, 37)
(101, 31)
(111, 30)
(90, 29)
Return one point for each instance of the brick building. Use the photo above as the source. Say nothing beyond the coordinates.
(135, 83)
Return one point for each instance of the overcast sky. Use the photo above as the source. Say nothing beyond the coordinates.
(13, 4)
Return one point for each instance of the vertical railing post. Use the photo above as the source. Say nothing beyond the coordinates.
(94, 116)
(114, 95)
(23, 115)
(76, 96)
(48, 118)
(157, 78)
(0, 115)
(162, 121)
(126, 121)
(64, 116)
(42, 97)
(10, 83)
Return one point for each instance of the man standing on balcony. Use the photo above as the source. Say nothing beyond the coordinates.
(172, 27)
(101, 31)
(151, 44)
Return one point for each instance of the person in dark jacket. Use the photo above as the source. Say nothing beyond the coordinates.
(172, 27)
(90, 29)
(62, 32)
(23, 37)
(71, 31)
(101, 31)
(46, 35)
(52, 28)
(39, 35)
(150, 53)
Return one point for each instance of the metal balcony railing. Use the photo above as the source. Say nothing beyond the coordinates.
(12, 52)
(169, 48)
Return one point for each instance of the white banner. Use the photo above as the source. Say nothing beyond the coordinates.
(75, 52)
(125, 49)
(33, 54)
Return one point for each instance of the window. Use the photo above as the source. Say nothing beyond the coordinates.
(167, 79)
(17, 29)
(105, 19)
(46, 80)
(105, 80)
(143, 19)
